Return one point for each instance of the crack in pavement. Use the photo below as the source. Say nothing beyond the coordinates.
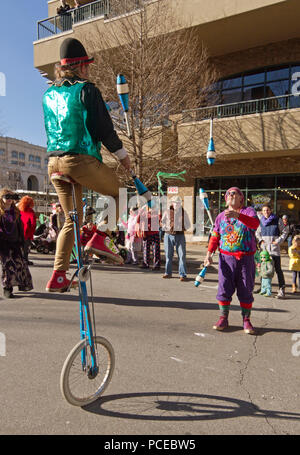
(243, 372)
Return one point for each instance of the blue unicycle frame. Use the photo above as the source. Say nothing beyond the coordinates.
(83, 273)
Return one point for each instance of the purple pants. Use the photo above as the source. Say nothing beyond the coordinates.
(236, 275)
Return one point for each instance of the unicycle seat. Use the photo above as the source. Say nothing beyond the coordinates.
(63, 177)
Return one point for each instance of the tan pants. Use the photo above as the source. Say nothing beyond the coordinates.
(88, 172)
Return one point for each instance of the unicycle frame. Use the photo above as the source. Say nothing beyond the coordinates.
(86, 327)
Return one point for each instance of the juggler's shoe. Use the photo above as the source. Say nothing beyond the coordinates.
(59, 283)
(221, 324)
(101, 245)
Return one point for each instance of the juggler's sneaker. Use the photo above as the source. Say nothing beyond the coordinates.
(59, 283)
(101, 245)
(222, 323)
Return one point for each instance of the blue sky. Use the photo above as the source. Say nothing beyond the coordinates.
(21, 114)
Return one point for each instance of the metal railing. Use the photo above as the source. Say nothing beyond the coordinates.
(64, 22)
(242, 108)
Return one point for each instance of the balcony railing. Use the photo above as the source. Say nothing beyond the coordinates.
(242, 108)
(64, 22)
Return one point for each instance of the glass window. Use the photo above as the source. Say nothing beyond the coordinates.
(278, 73)
(14, 154)
(2, 152)
(31, 158)
(231, 96)
(21, 156)
(37, 159)
(256, 78)
(262, 181)
(254, 92)
(258, 198)
(288, 203)
(288, 181)
(277, 88)
(232, 83)
(14, 162)
(227, 182)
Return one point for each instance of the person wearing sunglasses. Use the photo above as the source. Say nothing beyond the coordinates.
(234, 235)
(15, 271)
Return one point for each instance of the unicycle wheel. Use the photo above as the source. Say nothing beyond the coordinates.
(78, 386)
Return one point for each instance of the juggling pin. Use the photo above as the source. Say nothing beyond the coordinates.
(204, 199)
(200, 277)
(142, 189)
(211, 154)
(123, 92)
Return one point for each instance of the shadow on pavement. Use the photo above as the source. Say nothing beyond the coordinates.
(146, 303)
(171, 406)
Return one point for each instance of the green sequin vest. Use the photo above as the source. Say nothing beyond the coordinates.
(65, 121)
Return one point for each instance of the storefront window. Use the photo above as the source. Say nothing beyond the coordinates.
(288, 203)
(282, 193)
(258, 198)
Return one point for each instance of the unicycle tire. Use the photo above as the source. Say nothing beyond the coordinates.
(75, 384)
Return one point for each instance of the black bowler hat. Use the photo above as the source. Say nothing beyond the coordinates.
(72, 52)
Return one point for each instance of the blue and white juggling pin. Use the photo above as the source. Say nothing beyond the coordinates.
(142, 189)
(200, 277)
(211, 154)
(204, 198)
(123, 92)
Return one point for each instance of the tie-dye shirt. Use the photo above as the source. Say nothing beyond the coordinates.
(235, 235)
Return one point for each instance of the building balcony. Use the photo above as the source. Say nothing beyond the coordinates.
(225, 28)
(247, 134)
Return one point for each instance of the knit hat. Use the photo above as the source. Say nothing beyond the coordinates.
(237, 190)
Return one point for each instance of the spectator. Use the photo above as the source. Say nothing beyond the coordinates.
(266, 273)
(88, 214)
(286, 223)
(77, 4)
(174, 222)
(148, 221)
(66, 19)
(57, 219)
(87, 232)
(132, 237)
(294, 265)
(271, 233)
(15, 271)
(234, 234)
(64, 8)
(28, 218)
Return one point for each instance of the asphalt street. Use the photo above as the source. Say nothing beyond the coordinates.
(174, 374)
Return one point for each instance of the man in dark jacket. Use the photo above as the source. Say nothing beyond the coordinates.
(270, 234)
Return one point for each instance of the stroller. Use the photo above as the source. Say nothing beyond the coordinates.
(44, 239)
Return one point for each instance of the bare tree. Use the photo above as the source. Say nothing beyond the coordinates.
(167, 72)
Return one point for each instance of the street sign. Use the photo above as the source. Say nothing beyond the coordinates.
(172, 189)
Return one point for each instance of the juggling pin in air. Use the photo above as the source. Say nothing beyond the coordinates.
(204, 199)
(211, 154)
(123, 92)
(142, 189)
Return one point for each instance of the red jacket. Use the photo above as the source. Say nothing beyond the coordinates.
(29, 222)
